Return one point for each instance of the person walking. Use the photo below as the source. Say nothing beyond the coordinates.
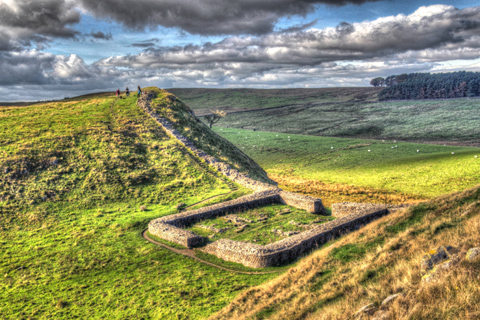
(118, 93)
(127, 92)
(139, 92)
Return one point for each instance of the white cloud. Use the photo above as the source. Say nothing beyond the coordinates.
(348, 55)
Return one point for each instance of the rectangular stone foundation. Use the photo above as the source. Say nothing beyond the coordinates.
(170, 227)
(289, 249)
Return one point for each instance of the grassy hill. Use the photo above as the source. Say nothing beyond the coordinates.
(341, 112)
(80, 179)
(182, 118)
(231, 100)
(375, 262)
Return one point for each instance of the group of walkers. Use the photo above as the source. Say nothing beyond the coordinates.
(127, 92)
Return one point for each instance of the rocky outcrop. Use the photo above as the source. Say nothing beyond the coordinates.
(437, 261)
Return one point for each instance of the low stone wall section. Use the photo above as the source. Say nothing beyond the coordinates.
(187, 218)
(307, 203)
(173, 234)
(345, 208)
(283, 251)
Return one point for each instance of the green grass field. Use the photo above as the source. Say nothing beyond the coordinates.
(340, 112)
(79, 181)
(81, 178)
(389, 165)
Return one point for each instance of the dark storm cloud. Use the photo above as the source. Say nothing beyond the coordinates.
(298, 28)
(24, 22)
(213, 17)
(101, 35)
(150, 43)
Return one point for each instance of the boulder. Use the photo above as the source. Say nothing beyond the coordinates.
(473, 253)
(437, 261)
(435, 257)
(390, 299)
(381, 315)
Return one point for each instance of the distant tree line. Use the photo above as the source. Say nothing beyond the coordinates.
(429, 86)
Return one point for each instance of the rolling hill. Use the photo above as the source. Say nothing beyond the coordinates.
(80, 179)
(341, 112)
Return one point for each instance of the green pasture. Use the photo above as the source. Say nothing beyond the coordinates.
(419, 169)
(434, 120)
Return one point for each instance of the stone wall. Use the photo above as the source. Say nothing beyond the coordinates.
(249, 254)
(173, 234)
(283, 251)
(187, 218)
(345, 208)
(307, 203)
(170, 227)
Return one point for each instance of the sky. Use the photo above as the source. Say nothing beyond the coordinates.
(51, 49)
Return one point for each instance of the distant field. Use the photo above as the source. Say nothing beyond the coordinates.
(440, 120)
(231, 100)
(327, 166)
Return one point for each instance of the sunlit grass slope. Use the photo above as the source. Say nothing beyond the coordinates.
(79, 180)
(317, 165)
(375, 262)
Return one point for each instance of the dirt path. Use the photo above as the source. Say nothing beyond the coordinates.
(191, 253)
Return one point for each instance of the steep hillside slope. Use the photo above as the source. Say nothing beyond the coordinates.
(182, 118)
(80, 179)
(379, 260)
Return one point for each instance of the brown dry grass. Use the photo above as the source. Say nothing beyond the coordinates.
(331, 193)
(392, 266)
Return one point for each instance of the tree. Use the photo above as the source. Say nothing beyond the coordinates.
(214, 117)
(377, 82)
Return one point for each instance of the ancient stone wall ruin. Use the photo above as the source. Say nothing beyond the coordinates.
(249, 254)
(169, 227)
(288, 249)
(300, 201)
(345, 208)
